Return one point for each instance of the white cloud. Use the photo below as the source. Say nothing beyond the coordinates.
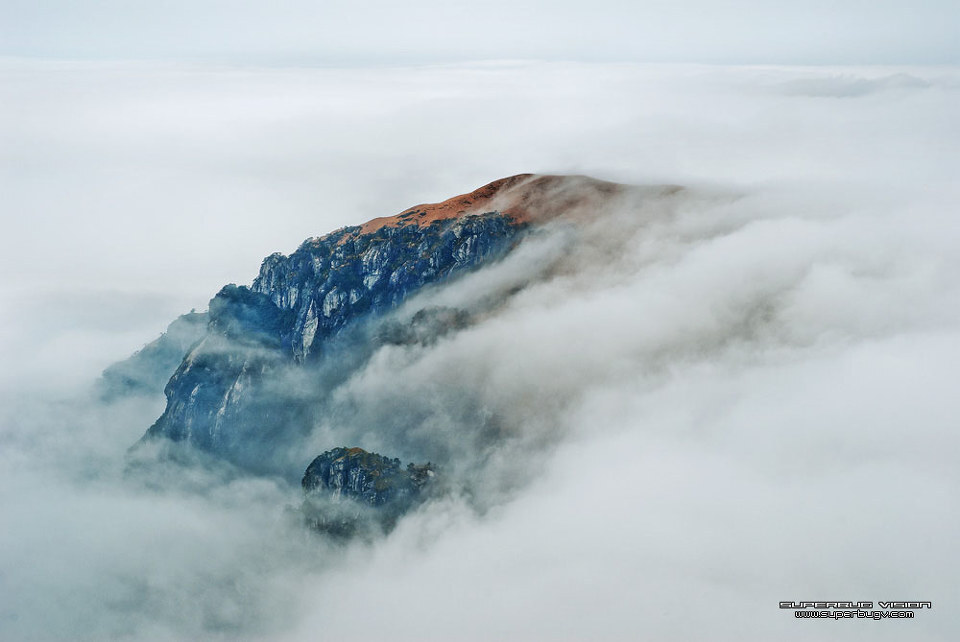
(744, 397)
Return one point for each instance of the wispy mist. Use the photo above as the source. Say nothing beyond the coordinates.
(659, 425)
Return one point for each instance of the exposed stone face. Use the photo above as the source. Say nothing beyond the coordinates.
(146, 371)
(244, 390)
(369, 478)
(330, 282)
(216, 399)
(249, 390)
(425, 327)
(349, 491)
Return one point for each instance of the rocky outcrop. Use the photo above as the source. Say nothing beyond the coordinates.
(250, 388)
(425, 327)
(349, 489)
(331, 282)
(369, 478)
(147, 370)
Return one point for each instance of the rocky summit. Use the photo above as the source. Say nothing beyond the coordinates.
(249, 386)
(349, 491)
(353, 473)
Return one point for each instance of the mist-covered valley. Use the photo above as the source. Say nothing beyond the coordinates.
(728, 388)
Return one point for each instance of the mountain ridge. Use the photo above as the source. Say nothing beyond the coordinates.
(252, 389)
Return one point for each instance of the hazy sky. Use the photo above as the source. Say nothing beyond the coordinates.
(341, 31)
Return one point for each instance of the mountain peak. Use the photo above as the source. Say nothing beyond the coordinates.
(320, 312)
(475, 202)
(525, 198)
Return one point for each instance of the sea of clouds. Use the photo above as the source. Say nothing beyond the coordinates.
(705, 403)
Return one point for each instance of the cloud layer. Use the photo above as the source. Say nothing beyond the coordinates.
(707, 403)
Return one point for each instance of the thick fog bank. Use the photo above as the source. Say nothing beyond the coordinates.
(703, 404)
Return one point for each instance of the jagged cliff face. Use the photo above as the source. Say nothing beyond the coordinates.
(223, 397)
(369, 478)
(252, 386)
(332, 282)
(146, 372)
(348, 491)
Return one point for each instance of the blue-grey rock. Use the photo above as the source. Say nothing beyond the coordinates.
(147, 370)
(249, 388)
(252, 388)
(350, 490)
